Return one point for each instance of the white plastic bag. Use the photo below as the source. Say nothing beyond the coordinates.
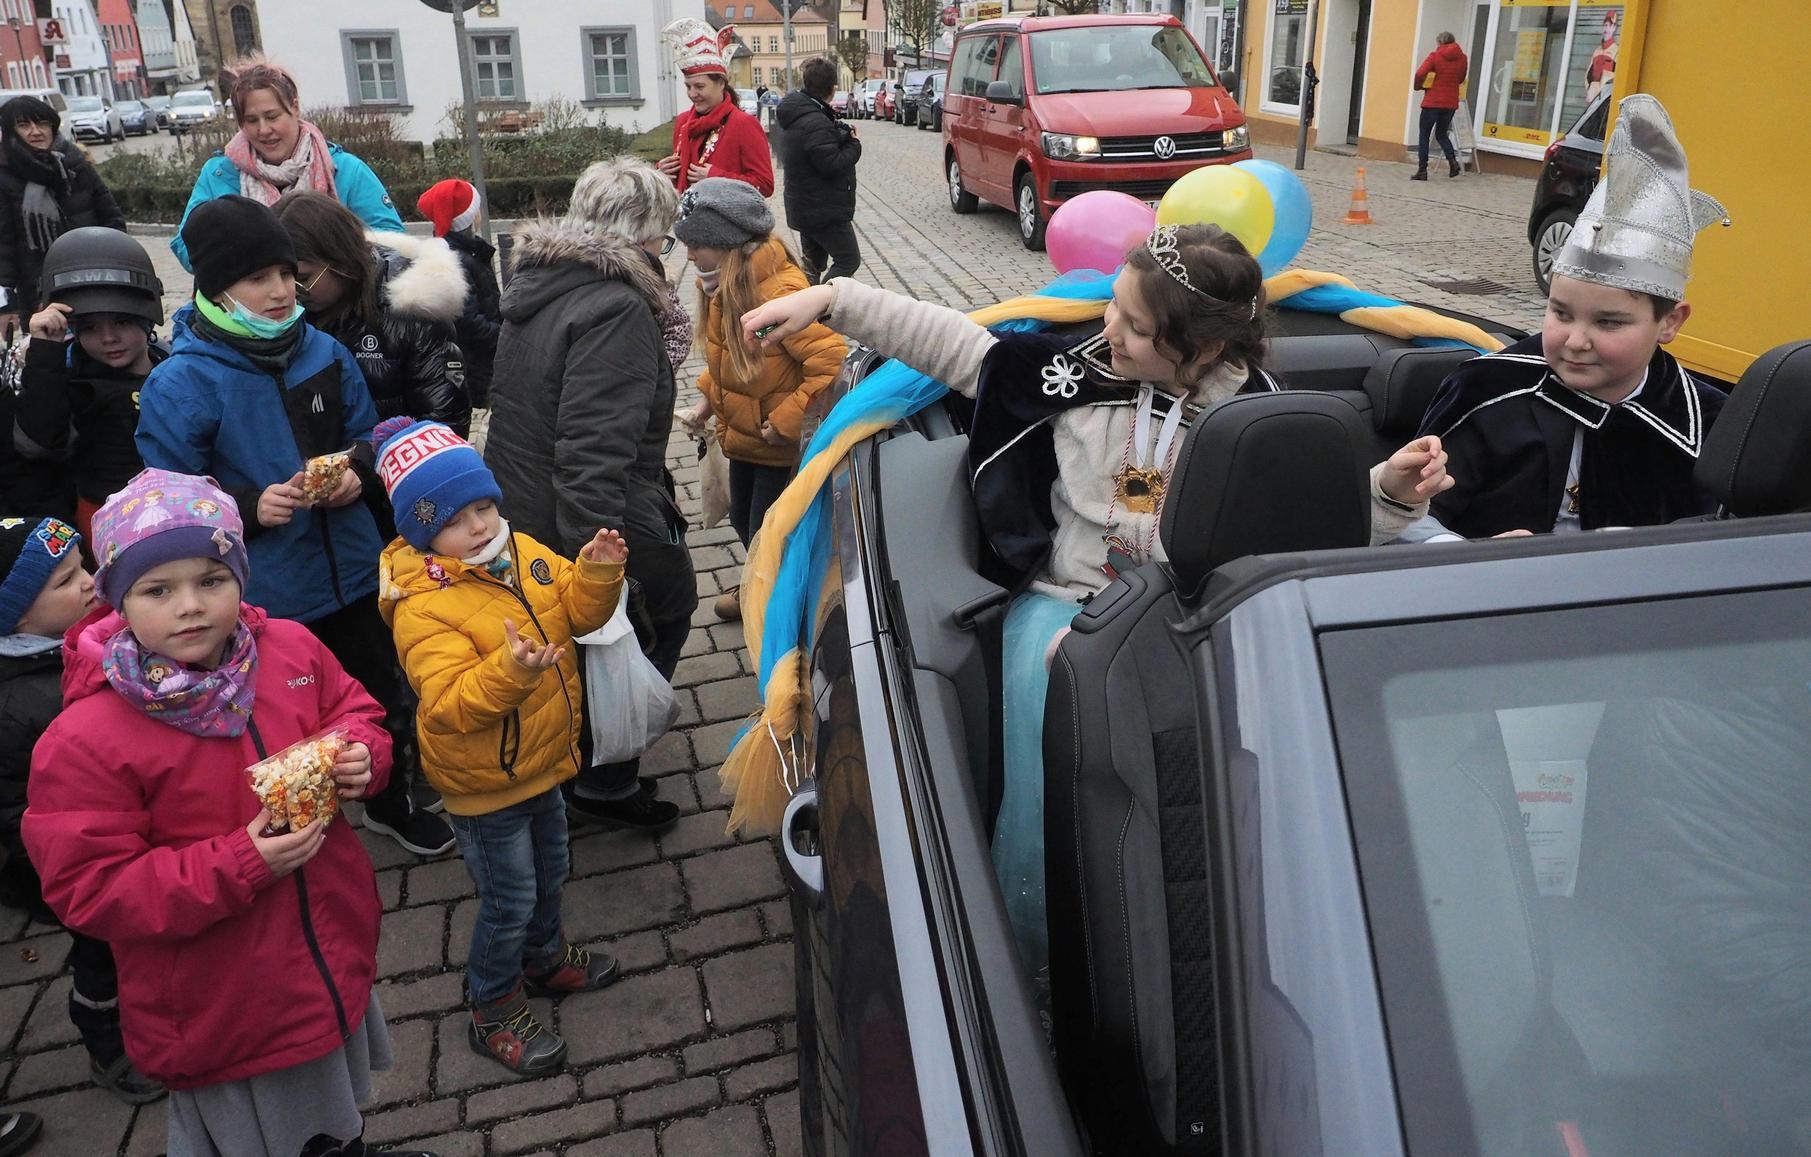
(631, 705)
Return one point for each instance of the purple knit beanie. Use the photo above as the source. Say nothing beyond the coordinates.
(162, 516)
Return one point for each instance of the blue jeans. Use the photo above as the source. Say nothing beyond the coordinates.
(518, 861)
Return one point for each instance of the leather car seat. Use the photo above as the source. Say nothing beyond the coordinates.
(1403, 382)
(1757, 457)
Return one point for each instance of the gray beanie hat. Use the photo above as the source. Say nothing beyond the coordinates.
(722, 213)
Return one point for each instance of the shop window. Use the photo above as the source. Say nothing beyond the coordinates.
(1591, 67)
(1525, 80)
(1288, 33)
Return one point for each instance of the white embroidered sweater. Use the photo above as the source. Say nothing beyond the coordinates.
(1090, 440)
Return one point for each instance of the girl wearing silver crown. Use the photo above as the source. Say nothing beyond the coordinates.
(1071, 446)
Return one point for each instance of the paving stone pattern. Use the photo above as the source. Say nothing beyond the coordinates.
(693, 1052)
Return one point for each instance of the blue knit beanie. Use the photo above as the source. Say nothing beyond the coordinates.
(431, 474)
(31, 549)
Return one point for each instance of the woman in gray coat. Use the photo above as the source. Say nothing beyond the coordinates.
(581, 413)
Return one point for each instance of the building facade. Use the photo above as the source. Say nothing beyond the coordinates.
(761, 27)
(224, 29)
(399, 58)
(22, 60)
(169, 46)
(125, 53)
(83, 67)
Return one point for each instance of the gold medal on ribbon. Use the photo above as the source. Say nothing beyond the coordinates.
(1140, 490)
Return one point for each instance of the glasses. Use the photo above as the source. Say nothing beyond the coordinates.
(307, 287)
(666, 244)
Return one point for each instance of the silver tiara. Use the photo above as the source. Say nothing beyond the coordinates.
(1161, 245)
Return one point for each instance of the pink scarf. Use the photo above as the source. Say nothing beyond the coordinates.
(200, 702)
(309, 167)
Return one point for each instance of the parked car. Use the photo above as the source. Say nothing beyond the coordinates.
(885, 99)
(1042, 109)
(862, 99)
(93, 118)
(1568, 174)
(49, 96)
(136, 117)
(839, 102)
(905, 103)
(930, 102)
(192, 108)
(1316, 874)
(749, 103)
(162, 106)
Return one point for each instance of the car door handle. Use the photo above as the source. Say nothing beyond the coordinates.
(804, 870)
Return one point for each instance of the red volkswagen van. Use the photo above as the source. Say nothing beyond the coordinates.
(1039, 109)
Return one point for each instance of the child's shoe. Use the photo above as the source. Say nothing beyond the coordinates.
(123, 1080)
(580, 970)
(508, 1033)
(729, 605)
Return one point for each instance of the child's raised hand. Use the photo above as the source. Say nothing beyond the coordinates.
(784, 316)
(285, 852)
(52, 322)
(1417, 472)
(605, 546)
(352, 770)
(526, 654)
(280, 501)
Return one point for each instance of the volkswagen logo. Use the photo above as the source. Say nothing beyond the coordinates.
(1164, 147)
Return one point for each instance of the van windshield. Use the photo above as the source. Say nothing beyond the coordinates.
(1116, 59)
(192, 99)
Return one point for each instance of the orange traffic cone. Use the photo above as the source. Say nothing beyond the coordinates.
(1361, 206)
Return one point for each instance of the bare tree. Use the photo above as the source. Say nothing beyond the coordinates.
(915, 22)
(852, 52)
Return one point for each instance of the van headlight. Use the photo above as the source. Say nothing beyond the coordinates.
(1064, 147)
(1236, 139)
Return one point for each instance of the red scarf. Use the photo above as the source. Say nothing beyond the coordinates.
(699, 140)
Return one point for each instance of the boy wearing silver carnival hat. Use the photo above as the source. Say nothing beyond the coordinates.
(1591, 423)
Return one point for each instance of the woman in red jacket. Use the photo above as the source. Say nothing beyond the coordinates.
(245, 959)
(713, 138)
(1445, 67)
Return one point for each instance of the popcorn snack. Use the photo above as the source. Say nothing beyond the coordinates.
(321, 476)
(296, 784)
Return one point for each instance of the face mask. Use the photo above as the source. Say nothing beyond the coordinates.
(265, 327)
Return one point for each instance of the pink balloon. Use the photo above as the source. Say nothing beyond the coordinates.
(1096, 230)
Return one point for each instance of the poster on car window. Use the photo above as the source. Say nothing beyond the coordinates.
(1551, 795)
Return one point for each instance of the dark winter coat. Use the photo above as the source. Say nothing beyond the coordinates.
(583, 407)
(75, 410)
(818, 152)
(31, 694)
(411, 363)
(81, 195)
(482, 319)
(30, 486)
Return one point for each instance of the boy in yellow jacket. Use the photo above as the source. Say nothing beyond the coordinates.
(484, 620)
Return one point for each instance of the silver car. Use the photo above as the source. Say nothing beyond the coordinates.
(94, 118)
(190, 109)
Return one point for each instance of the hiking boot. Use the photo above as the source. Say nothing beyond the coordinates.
(729, 605)
(508, 1033)
(123, 1080)
(579, 970)
(19, 1132)
(1453, 168)
(1420, 175)
(423, 833)
(639, 812)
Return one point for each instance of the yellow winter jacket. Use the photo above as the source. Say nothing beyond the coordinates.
(792, 373)
(493, 734)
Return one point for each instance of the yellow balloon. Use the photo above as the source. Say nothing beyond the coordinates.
(1221, 195)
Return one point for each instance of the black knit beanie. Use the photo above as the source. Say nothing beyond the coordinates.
(28, 108)
(232, 237)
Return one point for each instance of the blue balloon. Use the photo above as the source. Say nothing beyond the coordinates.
(1294, 213)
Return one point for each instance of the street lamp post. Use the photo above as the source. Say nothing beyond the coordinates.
(469, 91)
(786, 20)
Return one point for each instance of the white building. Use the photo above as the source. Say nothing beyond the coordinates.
(607, 57)
(83, 68)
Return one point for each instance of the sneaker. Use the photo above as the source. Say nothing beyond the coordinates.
(123, 1080)
(639, 812)
(19, 1132)
(729, 605)
(650, 786)
(420, 832)
(580, 970)
(424, 798)
(508, 1033)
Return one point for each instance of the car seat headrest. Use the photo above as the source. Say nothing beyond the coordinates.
(1267, 474)
(1403, 382)
(1757, 457)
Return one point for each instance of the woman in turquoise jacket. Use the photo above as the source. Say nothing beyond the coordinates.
(276, 152)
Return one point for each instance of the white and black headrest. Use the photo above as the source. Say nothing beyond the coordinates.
(1757, 457)
(1267, 474)
(1403, 382)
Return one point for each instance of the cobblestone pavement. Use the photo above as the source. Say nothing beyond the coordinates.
(692, 1053)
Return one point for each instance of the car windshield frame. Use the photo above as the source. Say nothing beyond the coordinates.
(1386, 681)
(1056, 62)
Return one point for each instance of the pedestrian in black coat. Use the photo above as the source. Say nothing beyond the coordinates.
(47, 187)
(818, 152)
(453, 207)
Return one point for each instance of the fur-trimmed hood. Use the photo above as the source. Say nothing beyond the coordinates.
(550, 258)
(421, 276)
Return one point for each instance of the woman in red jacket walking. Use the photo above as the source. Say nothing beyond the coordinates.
(713, 138)
(245, 959)
(1445, 67)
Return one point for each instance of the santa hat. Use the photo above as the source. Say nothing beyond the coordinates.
(451, 205)
(699, 49)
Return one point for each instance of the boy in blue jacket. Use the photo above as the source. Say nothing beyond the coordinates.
(249, 394)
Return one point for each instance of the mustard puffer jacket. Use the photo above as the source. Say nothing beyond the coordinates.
(493, 734)
(791, 374)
